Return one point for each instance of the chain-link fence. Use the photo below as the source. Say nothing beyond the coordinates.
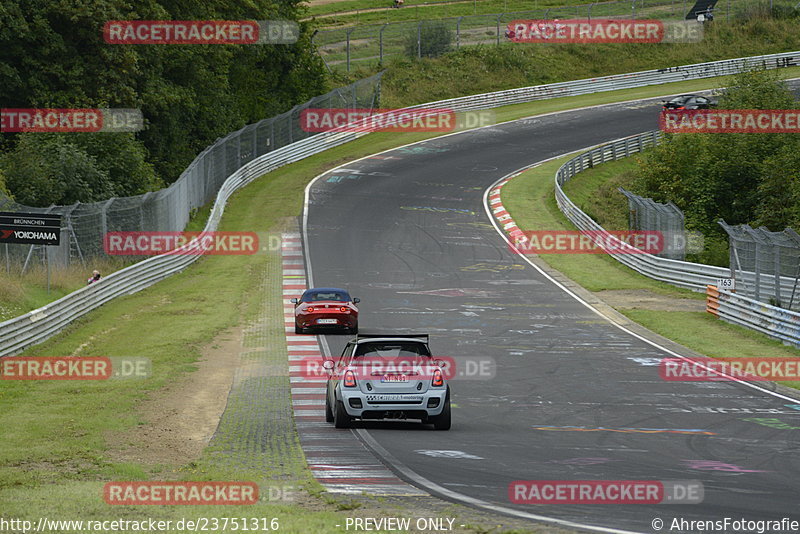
(645, 214)
(371, 44)
(85, 224)
(766, 265)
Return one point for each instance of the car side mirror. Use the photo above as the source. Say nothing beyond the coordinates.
(328, 364)
(356, 300)
(294, 301)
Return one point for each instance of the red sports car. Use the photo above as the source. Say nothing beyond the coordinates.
(325, 307)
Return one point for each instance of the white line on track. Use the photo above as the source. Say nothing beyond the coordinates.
(418, 479)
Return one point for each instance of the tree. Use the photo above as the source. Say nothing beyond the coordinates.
(52, 54)
(45, 169)
(729, 176)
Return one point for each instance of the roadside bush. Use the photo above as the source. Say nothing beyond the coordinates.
(741, 178)
(429, 39)
(57, 168)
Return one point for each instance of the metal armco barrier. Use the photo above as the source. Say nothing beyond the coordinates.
(695, 276)
(618, 81)
(775, 322)
(38, 325)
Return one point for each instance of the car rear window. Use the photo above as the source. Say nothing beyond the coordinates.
(391, 350)
(338, 296)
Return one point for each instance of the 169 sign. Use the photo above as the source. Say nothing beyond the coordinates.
(29, 228)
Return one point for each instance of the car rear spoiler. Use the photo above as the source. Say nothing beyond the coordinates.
(426, 337)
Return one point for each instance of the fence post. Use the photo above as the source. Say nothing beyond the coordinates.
(757, 269)
(419, 39)
(349, 31)
(777, 269)
(380, 57)
(498, 28)
(104, 216)
(458, 32)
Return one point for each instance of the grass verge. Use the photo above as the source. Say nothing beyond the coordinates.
(55, 455)
(359, 12)
(530, 199)
(485, 68)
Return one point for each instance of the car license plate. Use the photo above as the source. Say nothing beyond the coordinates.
(327, 321)
(394, 378)
(394, 398)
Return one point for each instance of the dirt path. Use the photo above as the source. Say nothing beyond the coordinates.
(180, 419)
(643, 299)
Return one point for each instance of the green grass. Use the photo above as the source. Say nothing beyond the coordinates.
(704, 333)
(435, 8)
(361, 12)
(55, 456)
(21, 293)
(17, 301)
(476, 69)
(54, 460)
(529, 198)
(595, 192)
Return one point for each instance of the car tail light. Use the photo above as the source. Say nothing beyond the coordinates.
(438, 379)
(310, 309)
(349, 379)
(681, 107)
(343, 309)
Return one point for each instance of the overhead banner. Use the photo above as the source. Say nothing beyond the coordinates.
(30, 228)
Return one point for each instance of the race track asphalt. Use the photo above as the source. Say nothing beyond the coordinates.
(570, 396)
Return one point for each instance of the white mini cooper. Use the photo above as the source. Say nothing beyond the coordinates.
(387, 377)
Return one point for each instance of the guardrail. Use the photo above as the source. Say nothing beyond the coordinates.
(695, 276)
(618, 81)
(775, 322)
(36, 326)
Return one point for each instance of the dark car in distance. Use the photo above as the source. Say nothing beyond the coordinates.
(688, 102)
(325, 308)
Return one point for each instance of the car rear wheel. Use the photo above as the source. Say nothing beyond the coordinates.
(442, 421)
(328, 411)
(340, 417)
